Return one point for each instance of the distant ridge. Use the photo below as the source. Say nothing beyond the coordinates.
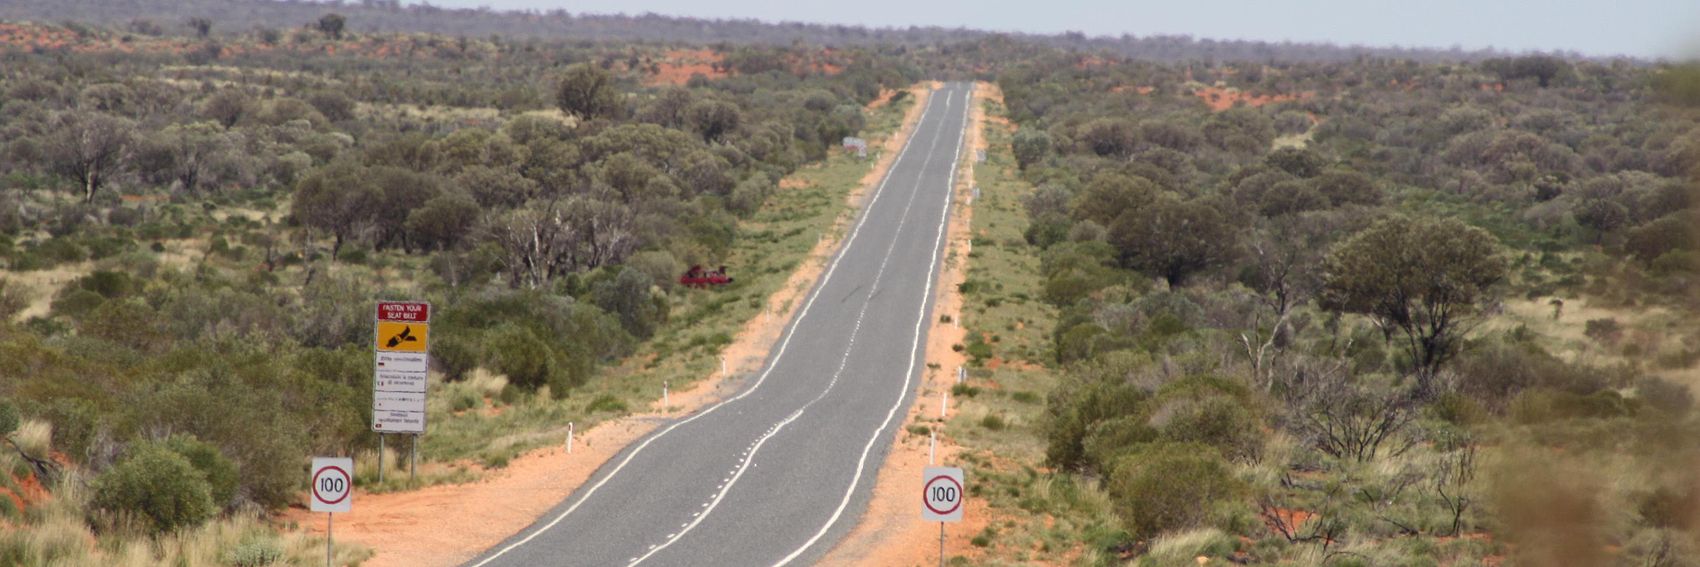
(392, 16)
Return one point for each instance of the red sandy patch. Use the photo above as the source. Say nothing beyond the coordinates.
(677, 66)
(1293, 519)
(883, 99)
(1223, 98)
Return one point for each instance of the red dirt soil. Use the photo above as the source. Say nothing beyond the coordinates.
(678, 65)
(1223, 98)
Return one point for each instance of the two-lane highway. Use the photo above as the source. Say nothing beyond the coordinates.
(778, 473)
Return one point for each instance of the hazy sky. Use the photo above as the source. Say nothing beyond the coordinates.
(1642, 28)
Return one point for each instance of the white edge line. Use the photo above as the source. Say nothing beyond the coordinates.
(914, 348)
(821, 285)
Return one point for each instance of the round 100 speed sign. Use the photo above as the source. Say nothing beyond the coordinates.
(942, 494)
(332, 487)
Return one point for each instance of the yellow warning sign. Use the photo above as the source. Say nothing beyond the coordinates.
(402, 337)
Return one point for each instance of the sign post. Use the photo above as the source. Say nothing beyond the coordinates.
(402, 359)
(941, 499)
(331, 487)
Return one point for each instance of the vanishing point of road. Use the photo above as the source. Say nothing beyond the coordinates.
(779, 472)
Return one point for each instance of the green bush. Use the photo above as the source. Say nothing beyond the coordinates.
(221, 475)
(516, 352)
(75, 303)
(257, 553)
(607, 403)
(1169, 486)
(8, 418)
(1218, 421)
(1077, 405)
(156, 486)
(455, 356)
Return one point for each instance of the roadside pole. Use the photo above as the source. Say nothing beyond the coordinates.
(402, 362)
(941, 499)
(331, 491)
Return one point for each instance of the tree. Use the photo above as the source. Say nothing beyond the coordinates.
(202, 26)
(338, 199)
(628, 297)
(89, 147)
(227, 106)
(1285, 271)
(443, 221)
(1030, 146)
(713, 119)
(1424, 279)
(1601, 215)
(1174, 239)
(331, 25)
(1112, 195)
(588, 92)
(537, 243)
(1110, 137)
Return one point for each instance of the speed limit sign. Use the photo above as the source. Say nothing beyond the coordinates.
(332, 488)
(941, 494)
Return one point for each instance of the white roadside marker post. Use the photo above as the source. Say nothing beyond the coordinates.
(569, 438)
(666, 402)
(932, 444)
(944, 403)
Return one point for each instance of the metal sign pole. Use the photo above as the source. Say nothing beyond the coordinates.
(413, 469)
(380, 458)
(330, 521)
(941, 544)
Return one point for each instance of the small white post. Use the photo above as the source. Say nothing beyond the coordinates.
(666, 402)
(944, 402)
(932, 444)
(723, 365)
(569, 438)
(961, 374)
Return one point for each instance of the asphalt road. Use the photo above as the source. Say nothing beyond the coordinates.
(780, 472)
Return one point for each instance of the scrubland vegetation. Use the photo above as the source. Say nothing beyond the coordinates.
(1335, 307)
(1380, 318)
(194, 239)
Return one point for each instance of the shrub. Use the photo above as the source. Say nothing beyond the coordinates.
(1664, 395)
(1076, 406)
(1169, 486)
(516, 352)
(1218, 421)
(455, 356)
(607, 403)
(220, 473)
(8, 418)
(257, 553)
(158, 487)
(1604, 331)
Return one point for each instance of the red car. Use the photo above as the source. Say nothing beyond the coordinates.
(700, 278)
